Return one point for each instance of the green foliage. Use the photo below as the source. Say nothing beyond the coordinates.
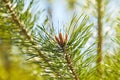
(10, 35)
(77, 40)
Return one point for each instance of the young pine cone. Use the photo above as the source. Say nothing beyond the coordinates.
(61, 40)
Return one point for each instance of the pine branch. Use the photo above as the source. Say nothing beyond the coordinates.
(22, 28)
(17, 21)
(62, 43)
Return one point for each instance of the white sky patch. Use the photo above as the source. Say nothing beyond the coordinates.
(107, 29)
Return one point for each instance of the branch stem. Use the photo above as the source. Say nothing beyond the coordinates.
(99, 45)
(67, 57)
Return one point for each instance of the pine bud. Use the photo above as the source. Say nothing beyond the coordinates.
(66, 38)
(58, 41)
(61, 38)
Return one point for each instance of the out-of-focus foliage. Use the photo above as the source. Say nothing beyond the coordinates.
(11, 60)
(111, 60)
(71, 3)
